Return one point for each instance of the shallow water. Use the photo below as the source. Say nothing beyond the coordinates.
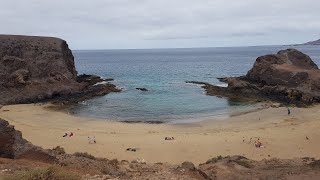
(164, 72)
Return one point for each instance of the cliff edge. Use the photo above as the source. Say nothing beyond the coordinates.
(39, 68)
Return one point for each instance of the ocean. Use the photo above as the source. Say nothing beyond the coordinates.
(164, 72)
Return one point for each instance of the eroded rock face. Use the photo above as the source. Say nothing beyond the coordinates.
(39, 68)
(239, 167)
(288, 76)
(42, 57)
(289, 68)
(13, 146)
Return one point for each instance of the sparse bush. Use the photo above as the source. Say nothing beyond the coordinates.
(244, 163)
(85, 154)
(214, 160)
(315, 164)
(114, 162)
(59, 150)
(50, 173)
(113, 171)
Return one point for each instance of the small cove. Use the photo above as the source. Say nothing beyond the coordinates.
(163, 73)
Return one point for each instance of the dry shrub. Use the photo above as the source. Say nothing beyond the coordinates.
(85, 154)
(244, 163)
(214, 160)
(50, 173)
(59, 150)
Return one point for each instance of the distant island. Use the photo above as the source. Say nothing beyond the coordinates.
(314, 43)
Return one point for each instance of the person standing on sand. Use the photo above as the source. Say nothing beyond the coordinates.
(289, 112)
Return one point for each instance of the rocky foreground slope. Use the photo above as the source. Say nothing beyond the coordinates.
(288, 76)
(17, 154)
(40, 68)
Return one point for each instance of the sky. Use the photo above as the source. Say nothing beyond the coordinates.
(136, 24)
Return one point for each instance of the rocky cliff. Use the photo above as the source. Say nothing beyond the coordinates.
(39, 68)
(288, 76)
(13, 146)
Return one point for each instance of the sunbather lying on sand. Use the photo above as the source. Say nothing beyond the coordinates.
(71, 134)
(132, 149)
(169, 138)
(92, 140)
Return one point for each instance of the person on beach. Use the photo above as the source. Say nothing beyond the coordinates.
(71, 134)
(93, 139)
(289, 112)
(169, 138)
(258, 144)
(65, 135)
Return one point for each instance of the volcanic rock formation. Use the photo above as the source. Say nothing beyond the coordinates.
(288, 76)
(13, 146)
(39, 68)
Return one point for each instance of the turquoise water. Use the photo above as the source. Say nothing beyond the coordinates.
(164, 72)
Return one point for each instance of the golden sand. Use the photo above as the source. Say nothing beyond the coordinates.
(282, 136)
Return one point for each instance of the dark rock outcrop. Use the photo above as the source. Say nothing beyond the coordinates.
(13, 146)
(142, 89)
(188, 165)
(90, 79)
(39, 68)
(288, 76)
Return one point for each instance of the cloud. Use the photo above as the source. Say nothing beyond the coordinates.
(163, 23)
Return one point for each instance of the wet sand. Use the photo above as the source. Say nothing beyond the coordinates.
(282, 136)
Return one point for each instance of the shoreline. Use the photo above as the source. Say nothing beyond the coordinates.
(245, 109)
(283, 136)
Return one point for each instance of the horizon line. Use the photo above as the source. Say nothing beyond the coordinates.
(100, 49)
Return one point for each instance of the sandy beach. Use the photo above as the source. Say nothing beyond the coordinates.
(282, 136)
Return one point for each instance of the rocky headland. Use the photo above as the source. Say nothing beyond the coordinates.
(289, 76)
(34, 69)
(313, 43)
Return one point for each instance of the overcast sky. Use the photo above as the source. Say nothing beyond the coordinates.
(113, 24)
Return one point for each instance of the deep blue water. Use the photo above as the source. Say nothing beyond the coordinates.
(164, 72)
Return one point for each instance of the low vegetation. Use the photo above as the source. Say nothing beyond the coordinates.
(59, 150)
(215, 159)
(244, 163)
(85, 154)
(50, 173)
